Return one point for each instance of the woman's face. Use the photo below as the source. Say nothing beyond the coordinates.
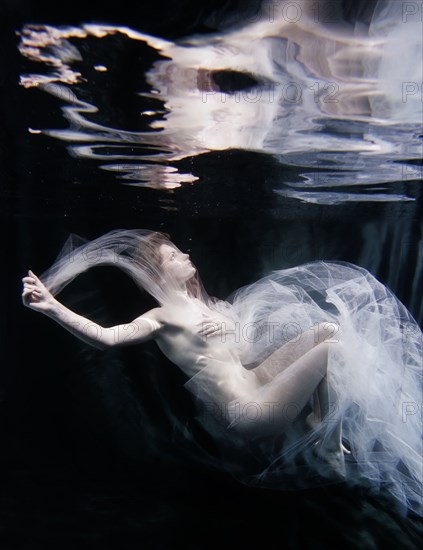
(176, 264)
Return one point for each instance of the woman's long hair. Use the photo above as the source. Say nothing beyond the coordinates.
(134, 251)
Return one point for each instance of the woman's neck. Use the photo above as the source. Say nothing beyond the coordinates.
(182, 292)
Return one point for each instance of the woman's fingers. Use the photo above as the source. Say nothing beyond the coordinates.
(206, 327)
(33, 282)
(29, 287)
(29, 291)
(33, 276)
(31, 297)
(209, 329)
(27, 298)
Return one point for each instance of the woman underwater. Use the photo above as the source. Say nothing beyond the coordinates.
(312, 372)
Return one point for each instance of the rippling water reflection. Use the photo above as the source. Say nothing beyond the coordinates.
(342, 102)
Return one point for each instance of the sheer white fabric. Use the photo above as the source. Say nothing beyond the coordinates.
(375, 367)
(131, 250)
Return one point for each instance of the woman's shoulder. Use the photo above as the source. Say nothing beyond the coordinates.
(161, 314)
(155, 315)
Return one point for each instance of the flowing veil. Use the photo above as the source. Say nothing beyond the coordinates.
(134, 251)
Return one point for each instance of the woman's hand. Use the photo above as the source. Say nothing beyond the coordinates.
(35, 295)
(210, 327)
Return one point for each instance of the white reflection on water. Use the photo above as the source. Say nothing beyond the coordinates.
(343, 101)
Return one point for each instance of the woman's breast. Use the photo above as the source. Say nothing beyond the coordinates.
(196, 338)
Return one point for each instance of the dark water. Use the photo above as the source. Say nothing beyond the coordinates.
(88, 455)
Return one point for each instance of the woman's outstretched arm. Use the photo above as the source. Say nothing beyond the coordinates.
(36, 296)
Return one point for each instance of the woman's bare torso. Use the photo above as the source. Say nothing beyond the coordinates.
(181, 339)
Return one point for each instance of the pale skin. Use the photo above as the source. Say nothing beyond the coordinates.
(190, 335)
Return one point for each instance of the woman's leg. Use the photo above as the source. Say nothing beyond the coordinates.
(301, 369)
(328, 403)
(280, 401)
(287, 354)
(324, 398)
